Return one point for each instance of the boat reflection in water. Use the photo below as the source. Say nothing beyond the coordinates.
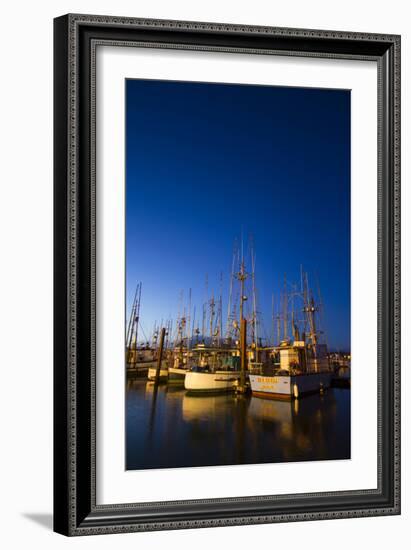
(166, 428)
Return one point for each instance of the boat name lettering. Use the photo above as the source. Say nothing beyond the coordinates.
(267, 380)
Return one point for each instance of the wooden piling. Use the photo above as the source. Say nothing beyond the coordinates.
(160, 356)
(243, 354)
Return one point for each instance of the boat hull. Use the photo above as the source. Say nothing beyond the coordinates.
(176, 375)
(140, 368)
(210, 382)
(289, 387)
(163, 372)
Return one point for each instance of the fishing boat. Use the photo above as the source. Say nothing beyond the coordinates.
(303, 369)
(181, 354)
(204, 378)
(289, 386)
(151, 375)
(303, 360)
(162, 357)
(177, 372)
(141, 360)
(199, 380)
(220, 369)
(176, 375)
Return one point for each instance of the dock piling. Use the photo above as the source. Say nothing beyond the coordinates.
(160, 356)
(243, 354)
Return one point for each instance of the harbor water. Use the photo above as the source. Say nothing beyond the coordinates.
(168, 428)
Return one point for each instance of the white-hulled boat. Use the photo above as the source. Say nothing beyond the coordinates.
(202, 381)
(304, 364)
(304, 369)
(286, 386)
(300, 373)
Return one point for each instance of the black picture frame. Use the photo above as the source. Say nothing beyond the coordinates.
(75, 40)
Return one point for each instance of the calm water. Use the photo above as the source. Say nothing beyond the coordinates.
(168, 428)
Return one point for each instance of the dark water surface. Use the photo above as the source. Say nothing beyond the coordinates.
(169, 428)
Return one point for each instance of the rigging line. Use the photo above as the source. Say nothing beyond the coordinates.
(142, 330)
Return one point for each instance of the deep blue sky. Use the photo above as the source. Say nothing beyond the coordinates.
(205, 160)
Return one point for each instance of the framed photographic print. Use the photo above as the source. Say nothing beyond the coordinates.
(227, 276)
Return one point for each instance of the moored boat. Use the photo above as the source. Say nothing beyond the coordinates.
(303, 365)
(286, 386)
(176, 375)
(140, 368)
(140, 360)
(303, 369)
(163, 372)
(200, 380)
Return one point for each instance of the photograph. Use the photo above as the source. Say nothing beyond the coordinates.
(237, 316)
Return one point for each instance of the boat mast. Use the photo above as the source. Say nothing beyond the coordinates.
(155, 335)
(193, 324)
(212, 315)
(131, 320)
(254, 305)
(278, 318)
(203, 328)
(169, 332)
(230, 295)
(241, 276)
(285, 308)
(137, 317)
(304, 291)
(189, 319)
(220, 311)
(310, 309)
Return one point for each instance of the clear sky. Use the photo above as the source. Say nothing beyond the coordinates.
(207, 161)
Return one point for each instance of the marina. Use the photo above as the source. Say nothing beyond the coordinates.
(238, 300)
(205, 360)
(215, 391)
